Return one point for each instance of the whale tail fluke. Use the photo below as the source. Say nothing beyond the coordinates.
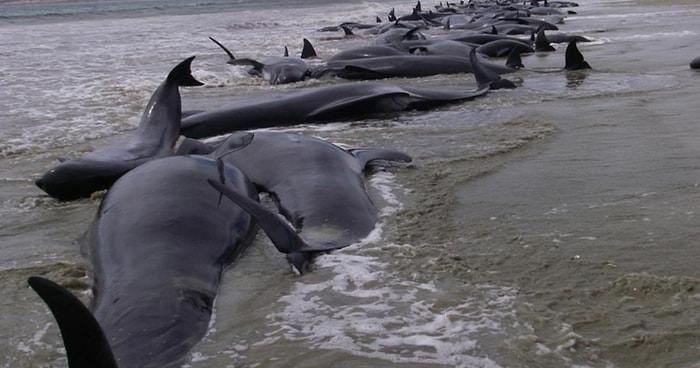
(85, 343)
(574, 59)
(182, 74)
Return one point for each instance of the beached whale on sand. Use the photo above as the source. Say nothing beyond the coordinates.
(156, 251)
(155, 137)
(279, 69)
(332, 103)
(319, 187)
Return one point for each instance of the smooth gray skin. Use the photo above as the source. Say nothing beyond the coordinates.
(504, 47)
(364, 52)
(276, 69)
(329, 103)
(406, 66)
(155, 137)
(319, 187)
(157, 248)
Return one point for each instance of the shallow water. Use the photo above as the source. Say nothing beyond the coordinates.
(553, 225)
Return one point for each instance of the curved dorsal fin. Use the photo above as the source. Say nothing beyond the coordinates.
(514, 60)
(85, 342)
(181, 75)
(308, 50)
(574, 59)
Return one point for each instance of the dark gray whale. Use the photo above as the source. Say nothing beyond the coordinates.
(277, 70)
(157, 248)
(330, 103)
(155, 137)
(319, 187)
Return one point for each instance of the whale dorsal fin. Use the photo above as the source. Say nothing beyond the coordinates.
(514, 60)
(573, 59)
(308, 50)
(541, 41)
(181, 75)
(85, 342)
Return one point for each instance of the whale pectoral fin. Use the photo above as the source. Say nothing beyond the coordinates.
(254, 63)
(230, 55)
(285, 239)
(233, 143)
(380, 157)
(85, 342)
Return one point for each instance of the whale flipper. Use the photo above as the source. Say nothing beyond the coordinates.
(85, 343)
(380, 157)
(285, 239)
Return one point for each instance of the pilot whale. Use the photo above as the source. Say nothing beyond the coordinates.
(319, 187)
(156, 251)
(332, 103)
(155, 137)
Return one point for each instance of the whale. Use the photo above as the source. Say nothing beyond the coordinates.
(155, 137)
(330, 103)
(156, 251)
(404, 66)
(276, 70)
(317, 186)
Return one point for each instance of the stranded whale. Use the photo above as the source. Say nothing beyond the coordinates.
(155, 137)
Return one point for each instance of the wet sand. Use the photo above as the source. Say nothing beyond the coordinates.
(594, 219)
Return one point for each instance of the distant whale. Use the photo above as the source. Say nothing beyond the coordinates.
(277, 70)
(331, 103)
(155, 137)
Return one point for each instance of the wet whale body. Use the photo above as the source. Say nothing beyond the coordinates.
(157, 248)
(157, 261)
(277, 70)
(155, 137)
(319, 187)
(331, 103)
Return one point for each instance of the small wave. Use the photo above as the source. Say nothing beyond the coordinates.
(368, 311)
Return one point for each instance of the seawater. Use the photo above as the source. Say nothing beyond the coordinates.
(553, 225)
